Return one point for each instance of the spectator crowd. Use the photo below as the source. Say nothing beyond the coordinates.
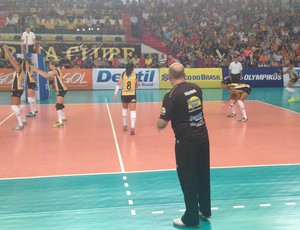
(208, 33)
(200, 33)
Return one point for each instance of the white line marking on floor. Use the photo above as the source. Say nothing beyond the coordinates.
(263, 102)
(239, 206)
(290, 203)
(133, 172)
(264, 205)
(215, 208)
(133, 212)
(6, 118)
(115, 138)
(126, 185)
(157, 212)
(124, 177)
(130, 202)
(128, 193)
(9, 116)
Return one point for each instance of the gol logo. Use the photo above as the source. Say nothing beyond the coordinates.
(74, 78)
(6, 79)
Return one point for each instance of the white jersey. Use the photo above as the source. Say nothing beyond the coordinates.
(235, 68)
(28, 38)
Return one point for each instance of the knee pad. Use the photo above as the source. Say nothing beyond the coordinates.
(59, 106)
(241, 104)
(31, 100)
(133, 114)
(16, 109)
(124, 112)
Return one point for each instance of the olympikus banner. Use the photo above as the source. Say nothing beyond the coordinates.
(58, 51)
(78, 79)
(260, 76)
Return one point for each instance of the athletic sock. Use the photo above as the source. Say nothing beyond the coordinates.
(17, 110)
(233, 109)
(60, 116)
(243, 109)
(132, 118)
(32, 103)
(22, 114)
(63, 114)
(124, 116)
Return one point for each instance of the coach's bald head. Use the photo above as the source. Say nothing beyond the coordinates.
(176, 71)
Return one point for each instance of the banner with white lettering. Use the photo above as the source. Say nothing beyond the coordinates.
(58, 51)
(77, 79)
(108, 78)
(286, 77)
(260, 76)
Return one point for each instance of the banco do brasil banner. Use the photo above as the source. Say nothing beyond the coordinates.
(71, 50)
(260, 76)
(204, 77)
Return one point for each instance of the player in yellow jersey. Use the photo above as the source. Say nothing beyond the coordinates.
(129, 79)
(31, 85)
(238, 93)
(61, 90)
(17, 88)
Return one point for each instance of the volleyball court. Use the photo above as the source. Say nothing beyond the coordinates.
(92, 140)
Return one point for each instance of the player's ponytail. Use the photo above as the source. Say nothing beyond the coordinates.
(226, 81)
(129, 69)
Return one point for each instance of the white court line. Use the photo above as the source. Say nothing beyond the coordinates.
(148, 171)
(265, 205)
(6, 118)
(276, 106)
(2, 122)
(133, 212)
(130, 202)
(290, 203)
(239, 206)
(157, 212)
(115, 138)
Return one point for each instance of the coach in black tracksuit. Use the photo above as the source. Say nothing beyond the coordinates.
(182, 105)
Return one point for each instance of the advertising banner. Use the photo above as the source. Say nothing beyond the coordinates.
(6, 78)
(71, 50)
(78, 79)
(260, 76)
(204, 77)
(286, 77)
(108, 78)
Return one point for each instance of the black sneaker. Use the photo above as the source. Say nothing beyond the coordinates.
(30, 114)
(132, 131)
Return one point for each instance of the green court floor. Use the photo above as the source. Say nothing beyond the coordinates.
(245, 198)
(260, 198)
